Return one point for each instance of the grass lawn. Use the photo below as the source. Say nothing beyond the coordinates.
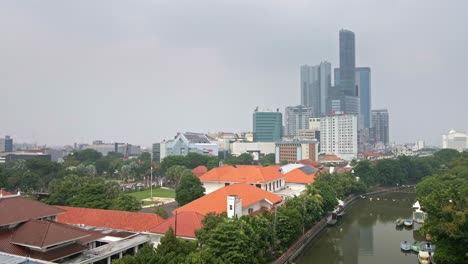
(157, 192)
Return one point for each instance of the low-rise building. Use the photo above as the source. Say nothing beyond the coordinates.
(266, 178)
(455, 140)
(249, 198)
(188, 142)
(256, 149)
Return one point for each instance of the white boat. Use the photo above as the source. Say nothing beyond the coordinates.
(419, 216)
(423, 257)
(405, 246)
(408, 222)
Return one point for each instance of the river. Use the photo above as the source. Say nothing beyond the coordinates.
(366, 234)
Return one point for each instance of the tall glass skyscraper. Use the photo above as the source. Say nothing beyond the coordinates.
(363, 84)
(380, 127)
(315, 83)
(347, 63)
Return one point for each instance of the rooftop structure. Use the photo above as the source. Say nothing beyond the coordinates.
(184, 224)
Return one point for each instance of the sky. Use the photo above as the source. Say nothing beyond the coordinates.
(141, 71)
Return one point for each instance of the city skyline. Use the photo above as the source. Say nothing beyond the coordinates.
(140, 72)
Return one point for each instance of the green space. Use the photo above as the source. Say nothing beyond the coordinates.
(157, 192)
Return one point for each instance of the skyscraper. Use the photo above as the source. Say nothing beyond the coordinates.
(347, 63)
(296, 118)
(267, 126)
(315, 83)
(380, 127)
(363, 84)
(6, 144)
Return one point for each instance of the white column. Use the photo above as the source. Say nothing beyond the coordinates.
(109, 260)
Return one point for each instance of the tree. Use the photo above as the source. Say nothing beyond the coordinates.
(173, 160)
(366, 172)
(267, 160)
(213, 162)
(175, 173)
(210, 222)
(87, 155)
(389, 172)
(447, 155)
(189, 189)
(328, 194)
(173, 250)
(194, 160)
(125, 202)
(289, 224)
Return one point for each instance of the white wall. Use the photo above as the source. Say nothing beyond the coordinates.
(212, 186)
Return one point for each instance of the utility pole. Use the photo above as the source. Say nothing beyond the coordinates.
(151, 175)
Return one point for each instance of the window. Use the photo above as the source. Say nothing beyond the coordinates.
(230, 207)
(250, 210)
(226, 184)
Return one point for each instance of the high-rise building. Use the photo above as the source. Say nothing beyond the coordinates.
(156, 152)
(380, 127)
(347, 62)
(315, 83)
(6, 144)
(267, 126)
(296, 118)
(339, 135)
(363, 83)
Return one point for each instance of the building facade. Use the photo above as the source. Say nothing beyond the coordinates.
(347, 63)
(363, 83)
(455, 140)
(292, 151)
(339, 135)
(189, 142)
(379, 133)
(6, 144)
(156, 152)
(296, 118)
(267, 126)
(315, 84)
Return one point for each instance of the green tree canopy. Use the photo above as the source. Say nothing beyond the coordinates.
(189, 189)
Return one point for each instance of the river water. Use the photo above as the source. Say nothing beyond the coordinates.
(366, 234)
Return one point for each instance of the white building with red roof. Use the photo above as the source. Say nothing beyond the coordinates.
(266, 178)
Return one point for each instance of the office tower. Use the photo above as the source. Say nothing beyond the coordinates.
(338, 135)
(347, 63)
(380, 127)
(296, 118)
(267, 126)
(363, 84)
(6, 144)
(315, 83)
(156, 152)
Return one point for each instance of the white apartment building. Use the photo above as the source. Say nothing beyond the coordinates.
(296, 118)
(338, 135)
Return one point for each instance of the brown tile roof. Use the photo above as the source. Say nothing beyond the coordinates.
(310, 162)
(217, 200)
(243, 173)
(187, 224)
(50, 255)
(43, 234)
(17, 209)
(129, 221)
(330, 158)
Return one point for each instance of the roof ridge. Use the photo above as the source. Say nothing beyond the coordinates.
(45, 234)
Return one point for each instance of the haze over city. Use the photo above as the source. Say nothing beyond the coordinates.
(141, 71)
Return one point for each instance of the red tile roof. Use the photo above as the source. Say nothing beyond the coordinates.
(199, 171)
(4, 193)
(330, 158)
(310, 162)
(243, 173)
(217, 200)
(129, 221)
(299, 176)
(187, 224)
(42, 234)
(17, 209)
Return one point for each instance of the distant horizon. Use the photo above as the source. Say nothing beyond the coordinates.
(140, 72)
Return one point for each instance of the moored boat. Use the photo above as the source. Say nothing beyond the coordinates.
(399, 222)
(425, 246)
(423, 257)
(405, 246)
(416, 246)
(408, 222)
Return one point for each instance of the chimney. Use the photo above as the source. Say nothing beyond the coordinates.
(234, 206)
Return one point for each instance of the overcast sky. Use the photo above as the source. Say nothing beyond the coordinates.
(140, 71)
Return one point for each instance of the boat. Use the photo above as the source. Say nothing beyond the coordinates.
(408, 222)
(399, 222)
(423, 257)
(426, 246)
(416, 246)
(332, 219)
(405, 246)
(419, 216)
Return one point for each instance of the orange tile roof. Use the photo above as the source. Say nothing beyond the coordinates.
(129, 221)
(217, 200)
(243, 173)
(187, 224)
(299, 176)
(199, 171)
